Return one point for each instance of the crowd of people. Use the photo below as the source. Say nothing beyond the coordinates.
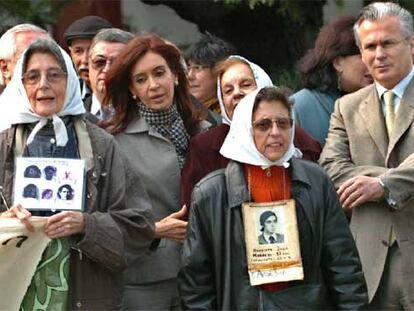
(179, 146)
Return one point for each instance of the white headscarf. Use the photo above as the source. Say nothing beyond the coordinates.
(15, 102)
(261, 77)
(239, 144)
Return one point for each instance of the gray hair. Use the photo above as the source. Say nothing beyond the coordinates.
(44, 46)
(379, 10)
(112, 35)
(8, 39)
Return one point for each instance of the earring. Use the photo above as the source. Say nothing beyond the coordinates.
(134, 97)
(176, 82)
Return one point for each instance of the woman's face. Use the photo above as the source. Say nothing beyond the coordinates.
(353, 74)
(45, 84)
(271, 141)
(236, 82)
(152, 81)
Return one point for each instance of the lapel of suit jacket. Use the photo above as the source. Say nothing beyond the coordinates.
(371, 112)
(404, 117)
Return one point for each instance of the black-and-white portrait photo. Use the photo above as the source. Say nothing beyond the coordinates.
(65, 192)
(32, 171)
(50, 172)
(268, 227)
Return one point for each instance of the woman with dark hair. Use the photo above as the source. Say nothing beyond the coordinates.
(331, 69)
(153, 122)
(262, 169)
(81, 266)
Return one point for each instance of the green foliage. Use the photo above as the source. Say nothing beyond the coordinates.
(39, 12)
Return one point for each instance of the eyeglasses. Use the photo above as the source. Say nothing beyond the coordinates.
(197, 68)
(266, 124)
(100, 63)
(53, 75)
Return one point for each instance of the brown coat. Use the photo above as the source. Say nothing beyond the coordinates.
(204, 156)
(117, 220)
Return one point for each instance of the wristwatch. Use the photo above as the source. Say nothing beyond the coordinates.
(386, 191)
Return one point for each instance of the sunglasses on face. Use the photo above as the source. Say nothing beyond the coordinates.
(100, 63)
(53, 75)
(266, 124)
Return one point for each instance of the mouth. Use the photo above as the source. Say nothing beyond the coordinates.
(45, 98)
(157, 98)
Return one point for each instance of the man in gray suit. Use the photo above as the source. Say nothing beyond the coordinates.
(369, 156)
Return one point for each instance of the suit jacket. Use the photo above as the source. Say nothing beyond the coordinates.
(358, 144)
(280, 238)
(204, 156)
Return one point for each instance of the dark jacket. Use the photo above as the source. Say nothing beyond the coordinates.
(117, 220)
(214, 272)
(204, 156)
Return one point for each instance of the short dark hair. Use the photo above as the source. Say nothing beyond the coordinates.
(334, 39)
(264, 216)
(208, 50)
(273, 93)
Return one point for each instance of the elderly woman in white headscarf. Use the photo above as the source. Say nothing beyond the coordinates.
(214, 275)
(81, 267)
(237, 77)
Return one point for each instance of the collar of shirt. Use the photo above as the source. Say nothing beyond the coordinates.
(85, 91)
(398, 90)
(96, 106)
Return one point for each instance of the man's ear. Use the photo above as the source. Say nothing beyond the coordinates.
(5, 71)
(338, 63)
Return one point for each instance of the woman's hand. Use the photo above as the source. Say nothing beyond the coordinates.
(21, 213)
(173, 227)
(64, 224)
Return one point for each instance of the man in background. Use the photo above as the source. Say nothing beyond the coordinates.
(78, 36)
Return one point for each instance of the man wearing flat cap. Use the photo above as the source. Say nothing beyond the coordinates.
(78, 36)
(268, 221)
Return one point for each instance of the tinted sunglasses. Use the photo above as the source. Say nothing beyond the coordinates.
(266, 124)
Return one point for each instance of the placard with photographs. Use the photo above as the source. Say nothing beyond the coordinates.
(272, 242)
(49, 183)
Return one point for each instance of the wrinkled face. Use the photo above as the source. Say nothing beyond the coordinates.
(45, 84)
(385, 51)
(203, 82)
(23, 40)
(79, 51)
(353, 74)
(152, 81)
(101, 58)
(270, 225)
(236, 82)
(271, 141)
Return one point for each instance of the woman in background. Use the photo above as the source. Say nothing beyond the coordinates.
(331, 69)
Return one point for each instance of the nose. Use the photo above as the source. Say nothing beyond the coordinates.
(153, 83)
(84, 58)
(43, 81)
(274, 129)
(380, 52)
(191, 74)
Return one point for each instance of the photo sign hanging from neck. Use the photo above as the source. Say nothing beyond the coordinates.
(272, 242)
